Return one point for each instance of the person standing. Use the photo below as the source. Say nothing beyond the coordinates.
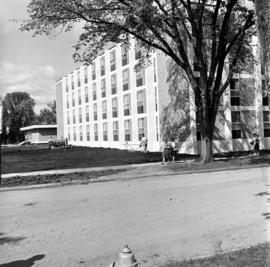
(165, 149)
(144, 144)
(256, 144)
(173, 149)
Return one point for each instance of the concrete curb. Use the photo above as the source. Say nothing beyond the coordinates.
(127, 167)
(90, 169)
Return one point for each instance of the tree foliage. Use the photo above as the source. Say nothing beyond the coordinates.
(211, 31)
(262, 8)
(18, 111)
(175, 118)
(47, 115)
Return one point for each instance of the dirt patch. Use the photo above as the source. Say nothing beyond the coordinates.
(83, 177)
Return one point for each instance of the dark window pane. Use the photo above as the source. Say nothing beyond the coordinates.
(235, 101)
(236, 134)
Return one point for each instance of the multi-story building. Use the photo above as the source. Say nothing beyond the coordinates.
(109, 104)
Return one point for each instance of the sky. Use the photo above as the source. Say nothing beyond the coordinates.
(31, 64)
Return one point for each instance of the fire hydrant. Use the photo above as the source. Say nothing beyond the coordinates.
(126, 258)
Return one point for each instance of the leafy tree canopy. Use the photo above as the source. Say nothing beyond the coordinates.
(47, 115)
(18, 111)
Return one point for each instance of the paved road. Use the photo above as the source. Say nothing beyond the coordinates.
(161, 218)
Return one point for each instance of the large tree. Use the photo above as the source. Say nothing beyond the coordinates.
(211, 31)
(47, 115)
(18, 111)
(262, 8)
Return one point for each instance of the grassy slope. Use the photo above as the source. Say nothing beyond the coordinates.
(257, 256)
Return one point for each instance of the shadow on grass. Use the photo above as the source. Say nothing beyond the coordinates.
(24, 263)
(10, 239)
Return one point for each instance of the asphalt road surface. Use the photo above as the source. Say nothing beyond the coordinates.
(173, 217)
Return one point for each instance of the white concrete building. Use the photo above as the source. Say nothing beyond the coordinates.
(108, 104)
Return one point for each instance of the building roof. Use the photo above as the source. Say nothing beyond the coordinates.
(32, 127)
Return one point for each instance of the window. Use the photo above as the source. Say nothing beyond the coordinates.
(68, 118)
(74, 133)
(79, 78)
(95, 112)
(142, 128)
(115, 131)
(96, 131)
(127, 105)
(266, 123)
(114, 107)
(236, 125)
(72, 82)
(66, 85)
(87, 114)
(85, 75)
(86, 97)
(235, 92)
(141, 102)
(94, 88)
(112, 60)
(138, 51)
(74, 117)
(93, 71)
(73, 100)
(81, 134)
(69, 138)
(105, 131)
(103, 88)
(196, 66)
(127, 127)
(125, 79)
(104, 110)
(80, 97)
(113, 84)
(157, 128)
(80, 115)
(140, 77)
(198, 125)
(67, 104)
(102, 66)
(88, 132)
(155, 75)
(124, 55)
(156, 99)
(265, 99)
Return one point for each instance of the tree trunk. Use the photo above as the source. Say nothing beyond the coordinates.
(207, 146)
(207, 125)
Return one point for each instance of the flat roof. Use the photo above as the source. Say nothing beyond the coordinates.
(32, 127)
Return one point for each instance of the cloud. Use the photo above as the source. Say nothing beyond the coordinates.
(38, 81)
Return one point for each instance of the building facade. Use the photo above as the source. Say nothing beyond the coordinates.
(109, 104)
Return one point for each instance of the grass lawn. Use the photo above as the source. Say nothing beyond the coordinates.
(37, 158)
(33, 158)
(257, 256)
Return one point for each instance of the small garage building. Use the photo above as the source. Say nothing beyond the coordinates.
(38, 134)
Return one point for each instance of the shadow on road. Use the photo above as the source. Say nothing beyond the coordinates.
(24, 263)
(266, 215)
(10, 239)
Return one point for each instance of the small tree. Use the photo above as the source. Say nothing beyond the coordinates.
(211, 30)
(47, 115)
(18, 111)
